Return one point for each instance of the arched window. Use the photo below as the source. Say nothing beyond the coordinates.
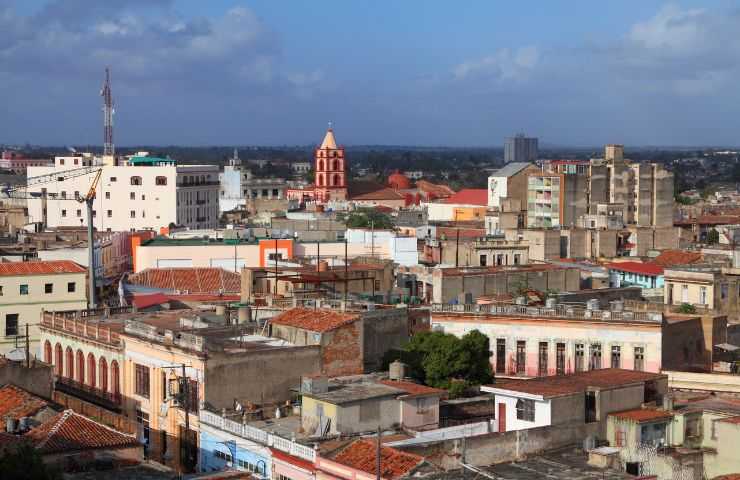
(320, 180)
(135, 180)
(47, 352)
(70, 363)
(337, 180)
(80, 371)
(91, 378)
(103, 374)
(320, 168)
(335, 165)
(58, 360)
(114, 378)
(160, 181)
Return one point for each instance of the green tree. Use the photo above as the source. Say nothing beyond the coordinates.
(445, 361)
(713, 236)
(686, 308)
(367, 218)
(22, 461)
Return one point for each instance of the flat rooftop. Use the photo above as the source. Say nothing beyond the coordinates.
(339, 394)
(565, 465)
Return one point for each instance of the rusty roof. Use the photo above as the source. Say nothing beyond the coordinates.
(642, 415)
(556, 386)
(314, 320)
(669, 258)
(16, 402)
(12, 269)
(361, 455)
(69, 431)
(414, 389)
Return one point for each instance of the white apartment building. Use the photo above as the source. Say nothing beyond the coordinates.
(140, 193)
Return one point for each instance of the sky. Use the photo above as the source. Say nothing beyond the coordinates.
(384, 72)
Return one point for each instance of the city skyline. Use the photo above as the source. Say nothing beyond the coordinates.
(260, 73)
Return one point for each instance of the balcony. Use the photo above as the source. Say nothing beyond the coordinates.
(111, 401)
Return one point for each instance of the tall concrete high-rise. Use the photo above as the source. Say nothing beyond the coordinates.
(520, 148)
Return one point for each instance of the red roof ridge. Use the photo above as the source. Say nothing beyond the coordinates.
(42, 267)
(643, 268)
(319, 320)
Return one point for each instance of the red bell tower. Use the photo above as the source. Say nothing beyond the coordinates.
(331, 175)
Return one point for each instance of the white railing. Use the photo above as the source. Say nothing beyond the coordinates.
(257, 435)
(559, 311)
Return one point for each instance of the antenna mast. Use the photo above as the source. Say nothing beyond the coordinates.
(105, 92)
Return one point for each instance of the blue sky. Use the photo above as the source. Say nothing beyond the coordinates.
(412, 72)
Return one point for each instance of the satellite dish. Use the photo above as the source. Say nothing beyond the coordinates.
(16, 355)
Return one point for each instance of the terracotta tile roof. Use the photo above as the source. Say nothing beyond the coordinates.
(381, 194)
(70, 431)
(729, 476)
(8, 269)
(314, 320)
(295, 461)
(669, 258)
(16, 402)
(146, 301)
(549, 387)
(639, 268)
(451, 232)
(641, 415)
(361, 455)
(440, 191)
(470, 196)
(192, 280)
(413, 389)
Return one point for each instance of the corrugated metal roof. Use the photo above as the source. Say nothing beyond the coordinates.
(511, 169)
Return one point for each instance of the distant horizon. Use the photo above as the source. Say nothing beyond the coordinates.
(412, 73)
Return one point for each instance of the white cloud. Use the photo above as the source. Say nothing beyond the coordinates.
(503, 65)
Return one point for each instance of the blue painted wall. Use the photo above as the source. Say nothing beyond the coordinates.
(213, 449)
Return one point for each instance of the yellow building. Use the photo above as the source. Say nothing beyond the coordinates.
(28, 288)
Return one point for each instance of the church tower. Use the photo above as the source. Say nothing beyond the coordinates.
(331, 174)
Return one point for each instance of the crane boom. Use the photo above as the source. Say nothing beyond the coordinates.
(21, 191)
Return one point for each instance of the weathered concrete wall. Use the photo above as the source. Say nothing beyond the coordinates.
(688, 345)
(37, 379)
(605, 295)
(383, 330)
(496, 448)
(366, 415)
(260, 376)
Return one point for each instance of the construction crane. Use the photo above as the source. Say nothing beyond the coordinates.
(22, 192)
(109, 148)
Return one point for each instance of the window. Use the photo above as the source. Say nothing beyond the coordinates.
(143, 420)
(377, 284)
(133, 214)
(77, 195)
(639, 359)
(542, 363)
(142, 380)
(61, 161)
(79, 213)
(113, 179)
(11, 324)
(703, 295)
(1, 290)
(109, 213)
(483, 260)
(71, 287)
(23, 290)
(135, 180)
(422, 406)
(693, 427)
(580, 354)
(525, 410)
(64, 194)
(107, 195)
(684, 293)
(521, 356)
(517, 258)
(48, 288)
(595, 356)
(160, 181)
(723, 291)
(500, 355)
(560, 359)
(164, 386)
(143, 197)
(616, 356)
(64, 213)
(132, 196)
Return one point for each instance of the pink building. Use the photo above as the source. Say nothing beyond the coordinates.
(18, 163)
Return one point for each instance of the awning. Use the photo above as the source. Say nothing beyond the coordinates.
(727, 347)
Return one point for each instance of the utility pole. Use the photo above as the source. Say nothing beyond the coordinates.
(276, 267)
(90, 250)
(378, 464)
(457, 248)
(28, 349)
(185, 403)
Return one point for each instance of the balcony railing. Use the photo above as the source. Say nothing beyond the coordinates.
(258, 435)
(83, 328)
(94, 395)
(558, 311)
